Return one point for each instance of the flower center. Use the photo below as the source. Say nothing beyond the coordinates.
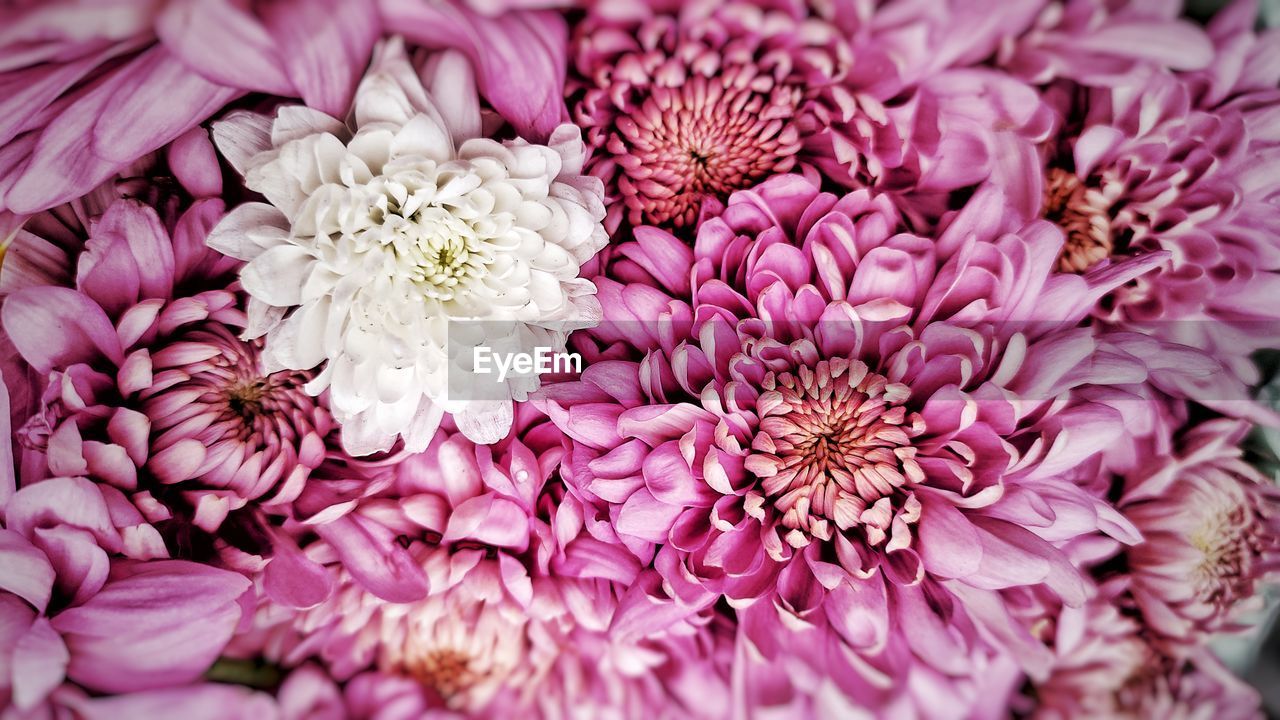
(244, 398)
(833, 446)
(1228, 543)
(218, 378)
(1083, 214)
(446, 670)
(704, 138)
(1134, 696)
(446, 255)
(440, 241)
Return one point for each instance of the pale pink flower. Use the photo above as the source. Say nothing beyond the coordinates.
(1149, 171)
(1104, 43)
(1211, 534)
(1105, 666)
(979, 684)
(467, 585)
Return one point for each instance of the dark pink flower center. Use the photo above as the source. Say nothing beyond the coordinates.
(705, 138)
(211, 387)
(225, 384)
(690, 108)
(834, 446)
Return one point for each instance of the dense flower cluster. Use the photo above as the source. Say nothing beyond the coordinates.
(912, 358)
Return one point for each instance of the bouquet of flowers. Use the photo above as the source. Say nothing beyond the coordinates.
(391, 359)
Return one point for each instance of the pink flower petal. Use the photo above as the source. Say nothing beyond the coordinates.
(56, 327)
(27, 572)
(372, 556)
(491, 520)
(156, 624)
(519, 56)
(293, 579)
(39, 664)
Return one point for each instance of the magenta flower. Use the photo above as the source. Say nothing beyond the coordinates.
(683, 107)
(1150, 172)
(683, 102)
(467, 576)
(1143, 172)
(919, 348)
(1152, 159)
(88, 92)
(147, 389)
(1210, 534)
(70, 611)
(850, 422)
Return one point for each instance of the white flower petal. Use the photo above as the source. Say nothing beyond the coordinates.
(361, 436)
(294, 122)
(249, 229)
(262, 318)
(299, 341)
(452, 77)
(276, 276)
(485, 422)
(241, 136)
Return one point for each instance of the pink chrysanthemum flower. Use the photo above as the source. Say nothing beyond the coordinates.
(1150, 172)
(146, 387)
(1176, 167)
(1210, 534)
(683, 102)
(464, 585)
(700, 104)
(1142, 171)
(1105, 667)
(979, 683)
(857, 431)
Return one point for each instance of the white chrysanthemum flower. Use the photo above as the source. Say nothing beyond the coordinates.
(386, 232)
